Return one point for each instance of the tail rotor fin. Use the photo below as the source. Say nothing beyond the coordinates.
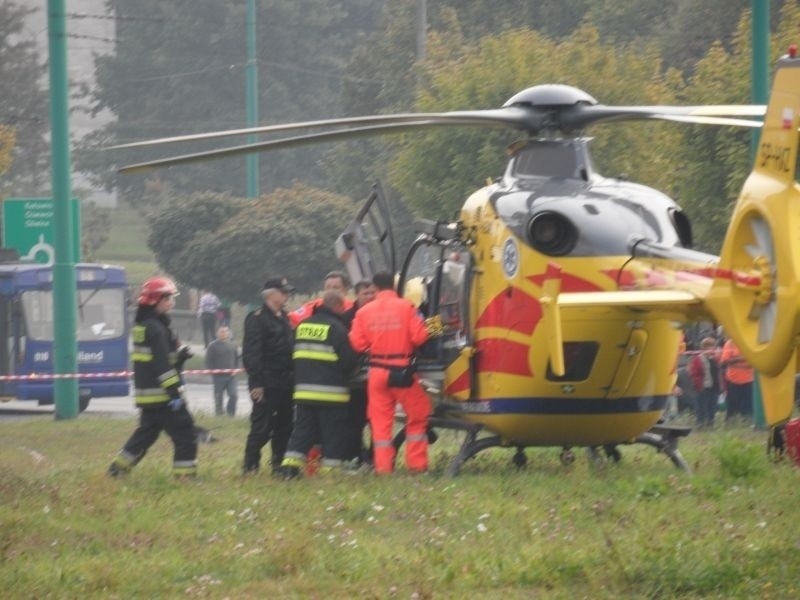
(759, 306)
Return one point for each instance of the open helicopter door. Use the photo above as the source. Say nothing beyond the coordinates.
(366, 246)
(435, 277)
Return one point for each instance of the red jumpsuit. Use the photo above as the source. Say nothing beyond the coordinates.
(390, 329)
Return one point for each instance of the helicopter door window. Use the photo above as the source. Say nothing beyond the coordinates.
(419, 275)
(452, 299)
(578, 361)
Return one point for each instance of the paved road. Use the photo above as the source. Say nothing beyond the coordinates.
(200, 394)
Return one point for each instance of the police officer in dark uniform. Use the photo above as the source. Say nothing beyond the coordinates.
(267, 358)
(158, 390)
(323, 362)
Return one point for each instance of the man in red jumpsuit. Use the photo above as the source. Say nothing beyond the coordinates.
(390, 329)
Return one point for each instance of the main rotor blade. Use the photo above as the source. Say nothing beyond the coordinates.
(312, 138)
(709, 120)
(516, 117)
(578, 117)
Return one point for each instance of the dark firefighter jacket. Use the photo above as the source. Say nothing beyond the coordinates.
(267, 350)
(155, 376)
(323, 360)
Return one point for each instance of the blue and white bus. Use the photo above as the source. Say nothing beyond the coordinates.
(26, 322)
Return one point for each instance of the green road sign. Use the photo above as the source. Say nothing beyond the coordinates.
(29, 225)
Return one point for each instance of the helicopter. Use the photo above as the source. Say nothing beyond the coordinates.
(563, 293)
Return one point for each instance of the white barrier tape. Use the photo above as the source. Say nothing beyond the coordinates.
(51, 376)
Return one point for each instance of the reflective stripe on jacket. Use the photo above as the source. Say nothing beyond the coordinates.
(155, 378)
(323, 360)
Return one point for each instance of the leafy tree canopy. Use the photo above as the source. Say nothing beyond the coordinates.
(232, 246)
(717, 160)
(440, 168)
(7, 137)
(182, 70)
(23, 110)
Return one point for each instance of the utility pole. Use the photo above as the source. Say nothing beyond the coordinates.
(422, 26)
(65, 360)
(251, 98)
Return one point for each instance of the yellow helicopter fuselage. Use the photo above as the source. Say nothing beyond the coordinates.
(620, 363)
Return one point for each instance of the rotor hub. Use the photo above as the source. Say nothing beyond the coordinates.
(765, 290)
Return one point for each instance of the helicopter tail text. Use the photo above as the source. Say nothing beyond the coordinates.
(759, 304)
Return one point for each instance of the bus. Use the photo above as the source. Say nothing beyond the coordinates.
(26, 322)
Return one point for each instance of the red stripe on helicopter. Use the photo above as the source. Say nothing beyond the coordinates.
(629, 280)
(503, 356)
(459, 384)
(512, 309)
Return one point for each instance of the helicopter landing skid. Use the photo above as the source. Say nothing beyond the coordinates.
(664, 438)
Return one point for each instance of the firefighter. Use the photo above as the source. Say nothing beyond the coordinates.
(158, 389)
(267, 358)
(334, 281)
(390, 329)
(323, 362)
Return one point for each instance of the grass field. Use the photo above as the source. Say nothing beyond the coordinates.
(638, 529)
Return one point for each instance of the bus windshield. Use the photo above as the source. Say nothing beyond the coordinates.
(100, 314)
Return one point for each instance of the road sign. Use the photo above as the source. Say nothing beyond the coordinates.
(29, 227)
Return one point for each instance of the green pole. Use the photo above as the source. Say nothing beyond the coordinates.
(65, 360)
(251, 98)
(760, 93)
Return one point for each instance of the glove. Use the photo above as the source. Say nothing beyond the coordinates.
(177, 402)
(434, 326)
(183, 354)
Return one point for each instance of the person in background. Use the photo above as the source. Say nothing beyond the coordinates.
(158, 390)
(334, 281)
(738, 380)
(704, 370)
(323, 362)
(207, 309)
(223, 354)
(390, 329)
(267, 357)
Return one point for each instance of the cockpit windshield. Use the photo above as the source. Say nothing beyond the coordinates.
(548, 159)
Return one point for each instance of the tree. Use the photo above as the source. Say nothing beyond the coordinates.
(95, 228)
(180, 68)
(23, 110)
(441, 167)
(232, 246)
(7, 138)
(717, 160)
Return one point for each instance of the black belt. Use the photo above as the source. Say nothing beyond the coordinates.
(389, 367)
(389, 356)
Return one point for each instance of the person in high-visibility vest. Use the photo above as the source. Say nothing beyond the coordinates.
(158, 390)
(323, 362)
(738, 381)
(390, 329)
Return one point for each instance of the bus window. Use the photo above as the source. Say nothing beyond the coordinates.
(100, 314)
